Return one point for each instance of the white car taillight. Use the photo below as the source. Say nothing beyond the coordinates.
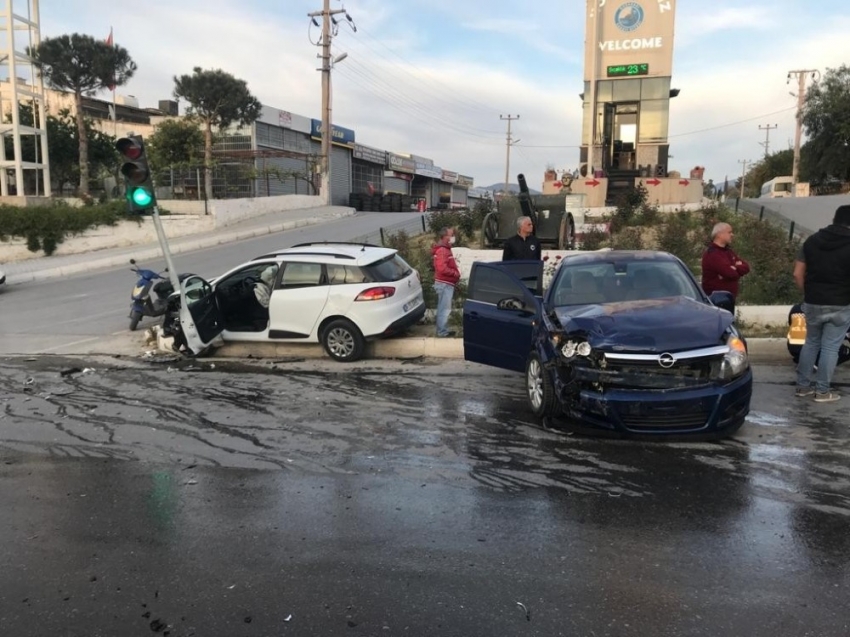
(375, 294)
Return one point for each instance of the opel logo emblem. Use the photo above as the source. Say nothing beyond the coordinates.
(666, 360)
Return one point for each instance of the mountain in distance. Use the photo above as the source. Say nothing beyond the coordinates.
(511, 187)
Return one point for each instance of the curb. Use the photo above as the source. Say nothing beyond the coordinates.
(761, 350)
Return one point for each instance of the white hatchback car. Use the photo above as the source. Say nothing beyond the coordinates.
(336, 294)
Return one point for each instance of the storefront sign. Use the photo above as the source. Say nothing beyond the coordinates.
(463, 180)
(367, 153)
(397, 175)
(429, 171)
(449, 176)
(340, 136)
(401, 164)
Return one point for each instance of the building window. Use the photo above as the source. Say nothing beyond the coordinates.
(654, 119)
(363, 174)
(655, 88)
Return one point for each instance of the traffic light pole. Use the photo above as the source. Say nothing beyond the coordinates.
(163, 243)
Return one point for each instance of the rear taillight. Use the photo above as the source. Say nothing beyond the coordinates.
(375, 294)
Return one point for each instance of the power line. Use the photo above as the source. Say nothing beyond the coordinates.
(743, 121)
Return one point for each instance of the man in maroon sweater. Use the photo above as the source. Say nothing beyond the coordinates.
(721, 267)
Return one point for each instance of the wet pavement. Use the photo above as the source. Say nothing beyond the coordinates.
(207, 497)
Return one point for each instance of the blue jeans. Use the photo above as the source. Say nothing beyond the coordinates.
(826, 329)
(445, 292)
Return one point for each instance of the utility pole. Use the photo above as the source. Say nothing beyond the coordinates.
(801, 96)
(743, 175)
(508, 119)
(327, 135)
(766, 143)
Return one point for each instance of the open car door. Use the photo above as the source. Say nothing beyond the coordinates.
(200, 318)
(503, 300)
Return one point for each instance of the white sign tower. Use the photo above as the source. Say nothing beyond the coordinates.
(21, 85)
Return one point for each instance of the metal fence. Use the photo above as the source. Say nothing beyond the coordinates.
(412, 227)
(762, 211)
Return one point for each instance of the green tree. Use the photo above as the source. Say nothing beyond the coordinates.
(826, 119)
(218, 99)
(175, 142)
(81, 65)
(778, 164)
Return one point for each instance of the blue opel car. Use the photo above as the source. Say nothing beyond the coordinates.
(623, 341)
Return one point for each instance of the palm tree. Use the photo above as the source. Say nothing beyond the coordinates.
(81, 65)
(218, 99)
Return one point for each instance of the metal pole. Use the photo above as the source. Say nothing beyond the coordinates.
(798, 132)
(326, 103)
(163, 243)
(791, 232)
(509, 119)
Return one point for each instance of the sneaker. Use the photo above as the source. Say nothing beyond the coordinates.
(827, 397)
(448, 334)
(803, 392)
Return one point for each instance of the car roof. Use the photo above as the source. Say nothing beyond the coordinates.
(331, 252)
(604, 256)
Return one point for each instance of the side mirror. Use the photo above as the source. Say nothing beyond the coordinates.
(511, 303)
(723, 300)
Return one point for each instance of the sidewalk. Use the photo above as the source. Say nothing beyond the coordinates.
(41, 268)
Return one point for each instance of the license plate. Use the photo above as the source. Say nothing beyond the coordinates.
(412, 304)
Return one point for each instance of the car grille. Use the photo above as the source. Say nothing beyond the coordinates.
(653, 416)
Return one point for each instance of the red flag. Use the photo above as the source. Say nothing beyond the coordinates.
(110, 42)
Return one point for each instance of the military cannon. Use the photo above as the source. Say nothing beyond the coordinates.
(554, 224)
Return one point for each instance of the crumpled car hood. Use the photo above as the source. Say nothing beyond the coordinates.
(652, 326)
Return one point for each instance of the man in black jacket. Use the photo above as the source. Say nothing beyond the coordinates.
(523, 246)
(822, 272)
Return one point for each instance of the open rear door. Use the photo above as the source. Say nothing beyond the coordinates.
(200, 318)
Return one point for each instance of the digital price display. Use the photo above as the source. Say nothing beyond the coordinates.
(626, 70)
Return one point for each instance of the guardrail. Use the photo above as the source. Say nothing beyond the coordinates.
(762, 211)
(416, 226)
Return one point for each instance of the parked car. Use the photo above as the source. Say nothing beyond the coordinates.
(337, 294)
(622, 341)
(796, 336)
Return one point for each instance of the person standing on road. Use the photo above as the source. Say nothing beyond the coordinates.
(446, 276)
(523, 245)
(721, 267)
(822, 272)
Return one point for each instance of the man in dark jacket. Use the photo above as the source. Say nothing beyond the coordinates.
(721, 267)
(822, 272)
(523, 245)
(446, 276)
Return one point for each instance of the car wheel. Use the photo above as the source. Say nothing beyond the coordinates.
(539, 389)
(343, 341)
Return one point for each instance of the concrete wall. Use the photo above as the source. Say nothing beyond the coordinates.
(226, 212)
(124, 234)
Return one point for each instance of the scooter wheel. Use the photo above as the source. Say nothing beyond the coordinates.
(135, 317)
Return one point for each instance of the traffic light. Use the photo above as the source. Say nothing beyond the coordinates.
(138, 183)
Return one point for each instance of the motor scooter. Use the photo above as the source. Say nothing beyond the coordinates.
(145, 303)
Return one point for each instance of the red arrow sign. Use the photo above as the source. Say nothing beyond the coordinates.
(592, 182)
(557, 184)
(683, 182)
(653, 182)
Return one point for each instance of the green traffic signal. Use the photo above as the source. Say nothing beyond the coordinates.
(142, 197)
(138, 180)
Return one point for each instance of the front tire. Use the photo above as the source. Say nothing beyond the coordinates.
(343, 341)
(135, 317)
(539, 389)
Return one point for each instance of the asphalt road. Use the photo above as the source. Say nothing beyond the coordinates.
(87, 313)
(388, 498)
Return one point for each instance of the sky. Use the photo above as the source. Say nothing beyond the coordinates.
(433, 78)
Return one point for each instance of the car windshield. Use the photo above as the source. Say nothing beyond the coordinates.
(392, 268)
(618, 281)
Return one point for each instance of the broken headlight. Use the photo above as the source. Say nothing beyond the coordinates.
(570, 348)
(734, 363)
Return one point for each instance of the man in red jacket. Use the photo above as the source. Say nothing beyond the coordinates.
(721, 267)
(446, 276)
